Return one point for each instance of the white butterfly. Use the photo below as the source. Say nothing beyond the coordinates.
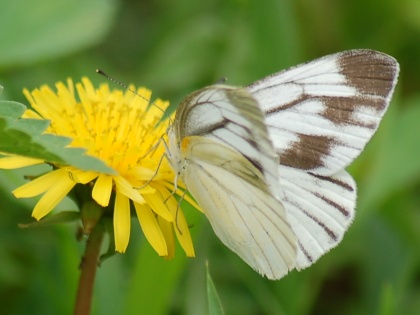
(266, 163)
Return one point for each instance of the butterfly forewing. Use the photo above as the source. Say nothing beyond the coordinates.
(231, 116)
(321, 114)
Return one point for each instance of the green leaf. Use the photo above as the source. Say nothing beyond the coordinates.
(32, 30)
(215, 306)
(25, 137)
(11, 109)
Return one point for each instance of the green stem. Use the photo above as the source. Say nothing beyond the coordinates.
(88, 268)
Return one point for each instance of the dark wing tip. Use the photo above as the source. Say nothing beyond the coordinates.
(369, 71)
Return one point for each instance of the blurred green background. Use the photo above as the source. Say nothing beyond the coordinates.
(173, 48)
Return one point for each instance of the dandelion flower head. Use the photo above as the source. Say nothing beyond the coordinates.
(124, 130)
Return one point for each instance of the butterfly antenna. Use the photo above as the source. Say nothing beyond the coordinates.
(125, 86)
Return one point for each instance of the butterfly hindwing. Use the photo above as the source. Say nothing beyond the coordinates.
(243, 214)
(319, 208)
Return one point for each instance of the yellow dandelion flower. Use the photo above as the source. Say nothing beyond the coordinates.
(123, 130)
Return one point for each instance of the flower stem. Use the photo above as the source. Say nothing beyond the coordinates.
(88, 270)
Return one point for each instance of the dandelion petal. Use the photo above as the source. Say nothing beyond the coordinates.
(12, 162)
(151, 229)
(41, 184)
(125, 188)
(181, 227)
(122, 222)
(102, 190)
(52, 197)
(168, 233)
(157, 203)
